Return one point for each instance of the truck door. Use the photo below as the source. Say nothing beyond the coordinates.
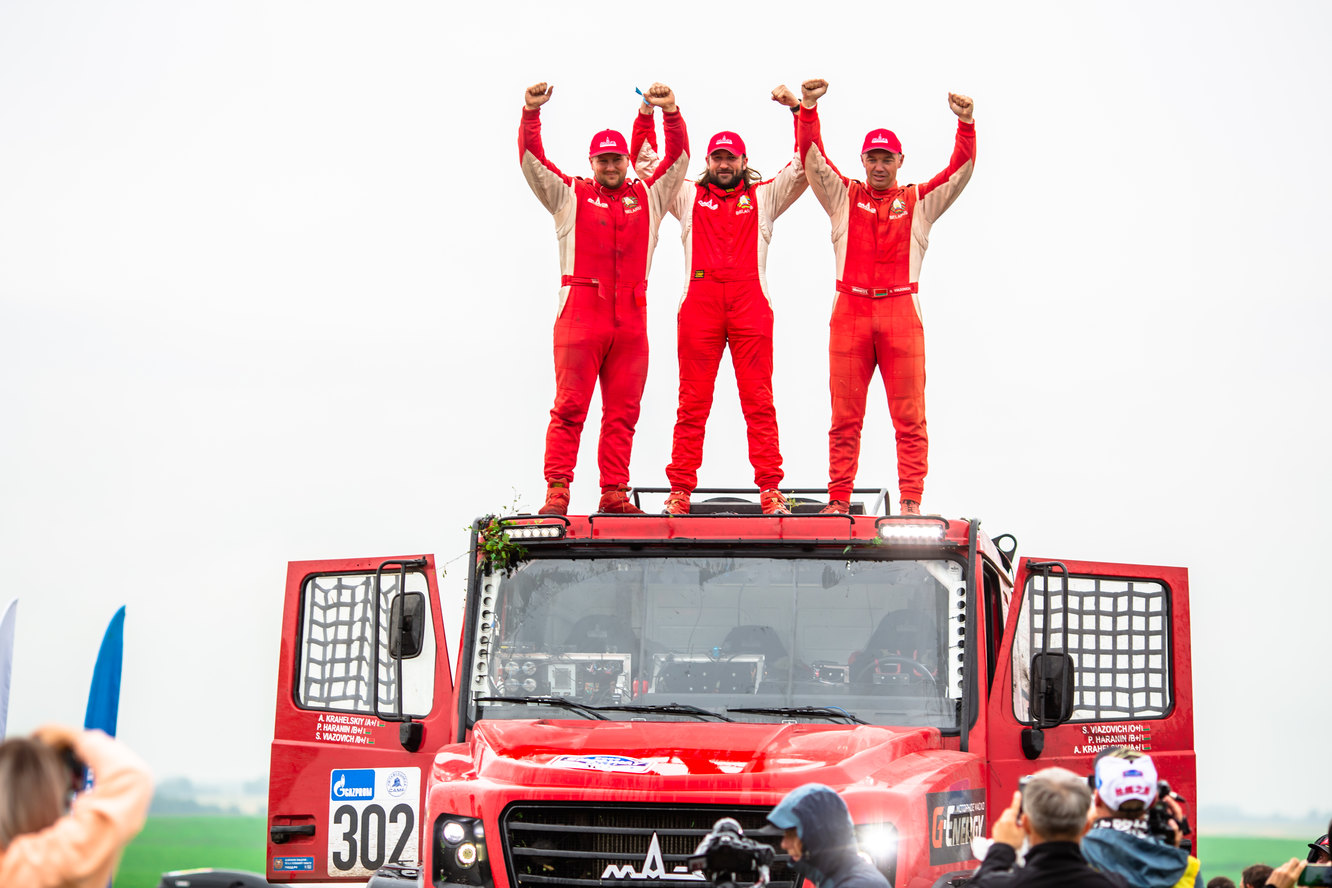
(1094, 655)
(363, 698)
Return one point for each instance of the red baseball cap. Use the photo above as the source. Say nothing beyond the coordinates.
(608, 142)
(881, 140)
(727, 142)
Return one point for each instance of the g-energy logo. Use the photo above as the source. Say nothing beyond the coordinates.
(955, 819)
(353, 784)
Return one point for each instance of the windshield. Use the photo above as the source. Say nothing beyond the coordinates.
(686, 638)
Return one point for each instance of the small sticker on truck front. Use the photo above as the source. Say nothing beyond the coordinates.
(618, 763)
(372, 819)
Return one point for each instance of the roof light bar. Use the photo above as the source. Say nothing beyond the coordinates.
(912, 532)
(535, 531)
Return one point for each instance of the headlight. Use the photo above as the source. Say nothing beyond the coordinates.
(460, 852)
(878, 844)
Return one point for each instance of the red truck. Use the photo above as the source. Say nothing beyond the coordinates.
(624, 681)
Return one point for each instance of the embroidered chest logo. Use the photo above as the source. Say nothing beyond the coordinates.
(709, 203)
(744, 203)
(597, 203)
(866, 206)
(630, 204)
(897, 209)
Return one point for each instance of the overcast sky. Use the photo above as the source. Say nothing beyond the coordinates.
(272, 287)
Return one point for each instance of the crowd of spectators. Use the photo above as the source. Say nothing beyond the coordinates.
(1120, 828)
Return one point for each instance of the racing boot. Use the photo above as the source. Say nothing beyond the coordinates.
(616, 501)
(773, 502)
(557, 499)
(909, 507)
(836, 507)
(677, 503)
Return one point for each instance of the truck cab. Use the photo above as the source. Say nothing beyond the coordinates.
(624, 681)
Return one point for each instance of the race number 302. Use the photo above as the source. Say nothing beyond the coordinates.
(372, 816)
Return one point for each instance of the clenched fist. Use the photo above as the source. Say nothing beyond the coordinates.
(812, 90)
(783, 96)
(961, 105)
(660, 94)
(537, 95)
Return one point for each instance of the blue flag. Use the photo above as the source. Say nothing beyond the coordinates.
(6, 659)
(104, 698)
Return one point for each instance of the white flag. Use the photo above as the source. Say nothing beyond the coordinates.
(6, 659)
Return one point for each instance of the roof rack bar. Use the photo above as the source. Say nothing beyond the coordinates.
(881, 491)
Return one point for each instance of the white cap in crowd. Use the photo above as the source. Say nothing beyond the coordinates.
(1125, 775)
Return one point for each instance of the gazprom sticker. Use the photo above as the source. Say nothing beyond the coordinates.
(358, 784)
(618, 763)
(293, 864)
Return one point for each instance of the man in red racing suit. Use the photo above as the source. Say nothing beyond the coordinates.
(880, 230)
(607, 229)
(726, 222)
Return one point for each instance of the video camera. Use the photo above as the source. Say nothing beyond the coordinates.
(1159, 816)
(726, 857)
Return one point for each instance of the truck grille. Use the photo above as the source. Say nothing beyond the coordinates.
(620, 845)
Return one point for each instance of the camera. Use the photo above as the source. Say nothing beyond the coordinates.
(726, 857)
(1159, 817)
(75, 768)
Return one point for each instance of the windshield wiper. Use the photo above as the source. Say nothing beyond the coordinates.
(681, 708)
(827, 712)
(562, 702)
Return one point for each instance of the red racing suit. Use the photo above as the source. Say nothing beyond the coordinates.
(879, 240)
(606, 238)
(725, 302)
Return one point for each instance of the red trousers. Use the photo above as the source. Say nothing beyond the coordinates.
(886, 333)
(601, 334)
(716, 314)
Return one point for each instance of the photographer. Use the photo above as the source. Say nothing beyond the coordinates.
(46, 843)
(1125, 837)
(821, 839)
(1050, 814)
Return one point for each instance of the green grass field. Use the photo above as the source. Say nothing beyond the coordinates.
(1228, 855)
(172, 843)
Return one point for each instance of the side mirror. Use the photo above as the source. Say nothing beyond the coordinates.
(407, 617)
(1051, 689)
(1051, 696)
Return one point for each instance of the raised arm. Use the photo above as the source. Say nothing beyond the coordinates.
(790, 181)
(939, 193)
(664, 183)
(829, 186)
(544, 178)
(643, 141)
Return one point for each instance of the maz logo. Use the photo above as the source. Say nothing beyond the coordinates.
(653, 868)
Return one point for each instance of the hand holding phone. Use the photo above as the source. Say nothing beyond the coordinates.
(1315, 874)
